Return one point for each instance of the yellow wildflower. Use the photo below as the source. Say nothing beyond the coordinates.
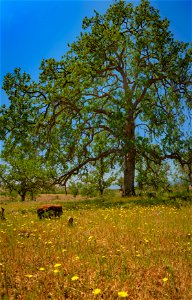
(56, 271)
(57, 265)
(96, 291)
(165, 279)
(28, 275)
(74, 278)
(122, 294)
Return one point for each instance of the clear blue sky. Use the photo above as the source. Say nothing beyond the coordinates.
(33, 30)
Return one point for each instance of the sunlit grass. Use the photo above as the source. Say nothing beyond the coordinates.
(111, 253)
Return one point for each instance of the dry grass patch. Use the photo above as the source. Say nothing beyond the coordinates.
(140, 253)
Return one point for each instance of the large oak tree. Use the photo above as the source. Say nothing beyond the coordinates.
(124, 75)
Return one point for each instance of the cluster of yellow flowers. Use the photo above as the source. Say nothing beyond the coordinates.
(121, 294)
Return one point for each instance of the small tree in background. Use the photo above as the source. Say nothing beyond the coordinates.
(152, 175)
(99, 177)
(119, 182)
(181, 175)
(25, 173)
(74, 187)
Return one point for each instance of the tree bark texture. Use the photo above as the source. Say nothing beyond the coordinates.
(129, 161)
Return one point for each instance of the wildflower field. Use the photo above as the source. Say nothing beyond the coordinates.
(111, 252)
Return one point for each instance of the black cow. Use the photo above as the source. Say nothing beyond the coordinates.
(49, 210)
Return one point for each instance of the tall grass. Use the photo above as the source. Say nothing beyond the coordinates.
(112, 252)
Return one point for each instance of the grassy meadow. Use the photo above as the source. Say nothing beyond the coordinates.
(115, 249)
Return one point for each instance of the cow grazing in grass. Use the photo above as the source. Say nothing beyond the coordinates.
(49, 211)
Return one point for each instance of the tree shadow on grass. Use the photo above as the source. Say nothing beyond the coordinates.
(107, 203)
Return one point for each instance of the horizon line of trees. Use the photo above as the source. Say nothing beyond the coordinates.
(28, 182)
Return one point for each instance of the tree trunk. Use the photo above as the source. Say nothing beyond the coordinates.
(129, 161)
(23, 195)
(101, 191)
(190, 175)
(129, 175)
(101, 176)
(65, 187)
